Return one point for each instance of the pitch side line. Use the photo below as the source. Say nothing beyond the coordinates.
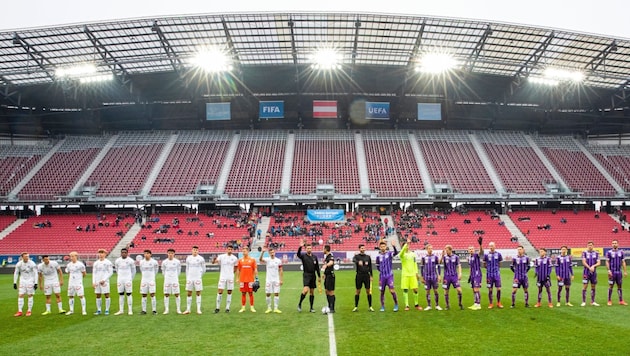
(332, 344)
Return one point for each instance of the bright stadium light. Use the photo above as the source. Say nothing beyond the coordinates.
(77, 71)
(96, 78)
(436, 63)
(326, 59)
(563, 75)
(212, 60)
(543, 81)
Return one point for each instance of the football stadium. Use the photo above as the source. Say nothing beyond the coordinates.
(459, 185)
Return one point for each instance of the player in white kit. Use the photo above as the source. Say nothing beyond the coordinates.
(171, 269)
(227, 262)
(50, 281)
(76, 272)
(195, 268)
(102, 271)
(273, 279)
(149, 269)
(26, 272)
(126, 271)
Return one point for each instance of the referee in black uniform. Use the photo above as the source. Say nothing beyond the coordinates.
(363, 266)
(310, 267)
(329, 277)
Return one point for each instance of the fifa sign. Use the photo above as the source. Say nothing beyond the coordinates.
(271, 110)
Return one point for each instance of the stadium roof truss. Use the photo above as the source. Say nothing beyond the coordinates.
(132, 48)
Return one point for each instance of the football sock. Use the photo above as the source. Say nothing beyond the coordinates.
(30, 303)
(98, 304)
(219, 301)
(20, 304)
(311, 299)
(356, 300)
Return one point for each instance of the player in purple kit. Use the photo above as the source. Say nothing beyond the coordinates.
(564, 274)
(452, 275)
(492, 263)
(474, 261)
(542, 270)
(386, 274)
(590, 261)
(614, 262)
(430, 276)
(520, 266)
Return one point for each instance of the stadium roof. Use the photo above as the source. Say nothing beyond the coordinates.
(271, 52)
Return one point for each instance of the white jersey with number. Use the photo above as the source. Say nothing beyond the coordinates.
(273, 269)
(227, 263)
(102, 271)
(195, 267)
(26, 272)
(75, 271)
(125, 268)
(49, 272)
(149, 270)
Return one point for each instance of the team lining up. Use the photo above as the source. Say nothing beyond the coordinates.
(48, 275)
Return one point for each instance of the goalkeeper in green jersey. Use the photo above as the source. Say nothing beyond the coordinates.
(410, 275)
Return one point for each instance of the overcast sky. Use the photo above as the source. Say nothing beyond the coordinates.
(605, 17)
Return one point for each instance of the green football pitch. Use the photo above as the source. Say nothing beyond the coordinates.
(564, 330)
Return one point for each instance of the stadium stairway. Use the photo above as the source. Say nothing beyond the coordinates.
(157, 166)
(13, 194)
(522, 240)
(483, 156)
(420, 162)
(287, 167)
(364, 181)
(265, 221)
(11, 228)
(600, 168)
(552, 170)
(129, 236)
(227, 165)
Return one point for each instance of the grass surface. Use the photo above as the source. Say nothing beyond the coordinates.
(542, 331)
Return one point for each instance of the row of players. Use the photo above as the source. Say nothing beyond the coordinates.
(51, 277)
(430, 274)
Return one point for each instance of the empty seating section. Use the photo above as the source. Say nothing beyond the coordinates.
(126, 166)
(196, 230)
(451, 158)
(616, 160)
(436, 229)
(16, 161)
(257, 167)
(62, 236)
(6, 220)
(359, 228)
(573, 165)
(516, 163)
(392, 168)
(325, 157)
(61, 172)
(580, 228)
(196, 157)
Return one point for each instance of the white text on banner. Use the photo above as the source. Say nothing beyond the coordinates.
(377, 110)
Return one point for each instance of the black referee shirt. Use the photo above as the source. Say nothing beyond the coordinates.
(366, 266)
(309, 263)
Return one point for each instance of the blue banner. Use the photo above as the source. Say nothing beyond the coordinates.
(218, 111)
(271, 110)
(429, 111)
(326, 215)
(376, 111)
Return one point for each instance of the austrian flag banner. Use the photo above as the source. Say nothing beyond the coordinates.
(324, 109)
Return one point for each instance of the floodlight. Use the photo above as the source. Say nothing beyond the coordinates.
(76, 71)
(96, 78)
(543, 81)
(212, 60)
(563, 74)
(436, 63)
(326, 59)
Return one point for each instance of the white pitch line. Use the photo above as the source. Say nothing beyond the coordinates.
(332, 344)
